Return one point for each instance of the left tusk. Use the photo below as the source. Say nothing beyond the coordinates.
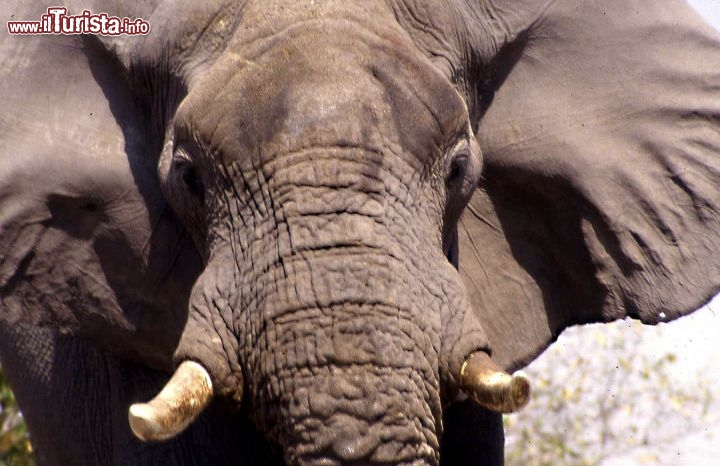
(491, 387)
(180, 402)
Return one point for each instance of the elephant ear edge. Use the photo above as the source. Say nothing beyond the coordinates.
(601, 197)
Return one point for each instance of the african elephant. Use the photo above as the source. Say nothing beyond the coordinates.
(340, 222)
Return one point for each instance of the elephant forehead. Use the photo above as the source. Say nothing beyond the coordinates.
(325, 84)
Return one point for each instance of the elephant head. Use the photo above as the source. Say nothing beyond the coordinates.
(284, 202)
(320, 164)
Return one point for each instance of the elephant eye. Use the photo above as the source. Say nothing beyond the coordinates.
(457, 167)
(188, 173)
(462, 174)
(456, 171)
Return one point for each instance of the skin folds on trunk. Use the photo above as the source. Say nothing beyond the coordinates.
(364, 414)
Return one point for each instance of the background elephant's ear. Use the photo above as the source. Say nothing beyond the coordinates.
(601, 136)
(87, 243)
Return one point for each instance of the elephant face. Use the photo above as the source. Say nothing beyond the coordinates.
(283, 202)
(319, 175)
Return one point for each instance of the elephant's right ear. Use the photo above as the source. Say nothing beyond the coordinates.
(601, 136)
(87, 242)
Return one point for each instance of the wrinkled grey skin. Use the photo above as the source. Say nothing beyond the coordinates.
(274, 189)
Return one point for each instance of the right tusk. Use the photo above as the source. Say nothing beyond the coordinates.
(180, 402)
(491, 387)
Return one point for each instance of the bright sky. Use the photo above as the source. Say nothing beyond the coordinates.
(710, 9)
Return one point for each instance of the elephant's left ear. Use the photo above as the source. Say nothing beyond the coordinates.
(601, 136)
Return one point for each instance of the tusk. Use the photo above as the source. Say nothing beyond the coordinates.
(491, 387)
(183, 398)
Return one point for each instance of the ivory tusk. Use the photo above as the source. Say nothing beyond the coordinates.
(491, 387)
(179, 403)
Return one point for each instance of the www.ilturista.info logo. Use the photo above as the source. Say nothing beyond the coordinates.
(57, 21)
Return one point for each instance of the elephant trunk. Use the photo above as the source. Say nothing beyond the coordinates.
(339, 361)
(345, 367)
(355, 415)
